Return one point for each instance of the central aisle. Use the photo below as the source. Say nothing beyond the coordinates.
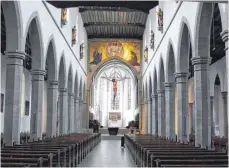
(108, 154)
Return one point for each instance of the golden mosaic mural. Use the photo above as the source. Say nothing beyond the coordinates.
(128, 50)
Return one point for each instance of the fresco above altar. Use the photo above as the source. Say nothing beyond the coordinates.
(125, 49)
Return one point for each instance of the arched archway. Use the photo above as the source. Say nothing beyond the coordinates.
(170, 100)
(76, 102)
(161, 99)
(51, 86)
(63, 98)
(11, 26)
(12, 78)
(70, 114)
(81, 105)
(115, 82)
(154, 103)
(203, 55)
(184, 71)
(150, 105)
(220, 124)
(34, 66)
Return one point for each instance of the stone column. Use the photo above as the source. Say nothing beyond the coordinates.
(224, 36)
(85, 114)
(161, 112)
(37, 102)
(146, 117)
(71, 112)
(154, 115)
(182, 104)
(149, 116)
(76, 114)
(202, 101)
(81, 114)
(63, 110)
(170, 110)
(12, 115)
(211, 108)
(52, 97)
(225, 115)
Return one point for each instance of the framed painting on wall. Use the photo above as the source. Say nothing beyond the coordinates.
(26, 108)
(2, 102)
(114, 116)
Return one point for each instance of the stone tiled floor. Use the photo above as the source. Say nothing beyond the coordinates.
(108, 154)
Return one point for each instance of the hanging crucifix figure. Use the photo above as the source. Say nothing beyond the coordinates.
(115, 87)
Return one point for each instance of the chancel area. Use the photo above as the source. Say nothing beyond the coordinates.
(114, 83)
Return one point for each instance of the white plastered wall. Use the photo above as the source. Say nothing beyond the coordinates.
(176, 13)
(49, 18)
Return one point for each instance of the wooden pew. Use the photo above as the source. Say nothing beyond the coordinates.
(148, 150)
(54, 147)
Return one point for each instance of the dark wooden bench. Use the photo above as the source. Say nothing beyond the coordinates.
(184, 162)
(51, 152)
(151, 151)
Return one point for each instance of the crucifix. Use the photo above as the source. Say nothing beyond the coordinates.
(114, 77)
(114, 81)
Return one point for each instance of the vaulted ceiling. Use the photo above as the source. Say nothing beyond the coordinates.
(112, 19)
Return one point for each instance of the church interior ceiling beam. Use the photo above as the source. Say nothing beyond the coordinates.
(144, 6)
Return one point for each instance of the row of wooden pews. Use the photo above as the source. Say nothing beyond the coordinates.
(217, 143)
(154, 151)
(62, 151)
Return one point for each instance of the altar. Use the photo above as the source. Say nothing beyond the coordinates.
(113, 130)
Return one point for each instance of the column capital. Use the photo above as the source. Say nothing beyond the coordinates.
(181, 75)
(63, 90)
(224, 94)
(160, 92)
(224, 35)
(201, 60)
(53, 83)
(15, 54)
(148, 100)
(39, 72)
(77, 99)
(168, 84)
(71, 94)
(154, 96)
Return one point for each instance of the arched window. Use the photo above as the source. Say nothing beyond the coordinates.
(27, 63)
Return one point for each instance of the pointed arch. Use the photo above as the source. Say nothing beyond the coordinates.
(150, 86)
(170, 63)
(184, 44)
(51, 63)
(155, 81)
(80, 89)
(62, 72)
(13, 25)
(161, 75)
(33, 28)
(203, 29)
(76, 88)
(70, 79)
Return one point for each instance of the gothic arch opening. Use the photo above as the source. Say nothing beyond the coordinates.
(114, 94)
